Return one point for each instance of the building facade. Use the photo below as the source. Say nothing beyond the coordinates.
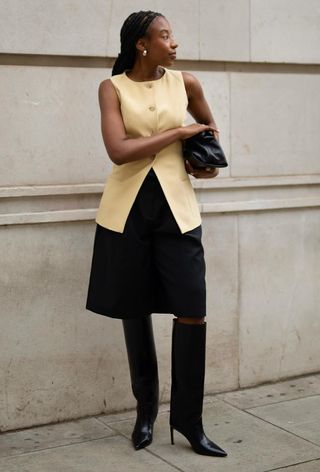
(259, 64)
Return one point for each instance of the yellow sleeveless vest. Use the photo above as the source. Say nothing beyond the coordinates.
(150, 107)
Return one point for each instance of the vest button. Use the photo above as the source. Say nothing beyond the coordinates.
(149, 86)
(152, 108)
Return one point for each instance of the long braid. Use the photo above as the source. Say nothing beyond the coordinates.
(134, 28)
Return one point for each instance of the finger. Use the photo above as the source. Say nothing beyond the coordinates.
(204, 174)
(189, 167)
(215, 133)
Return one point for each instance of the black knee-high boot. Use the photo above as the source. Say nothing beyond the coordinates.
(143, 366)
(187, 386)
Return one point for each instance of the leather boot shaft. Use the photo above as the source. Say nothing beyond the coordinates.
(187, 386)
(142, 358)
(188, 372)
(143, 366)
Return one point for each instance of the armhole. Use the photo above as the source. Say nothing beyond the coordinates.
(116, 88)
(184, 87)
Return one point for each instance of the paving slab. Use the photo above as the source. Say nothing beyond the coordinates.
(125, 415)
(312, 466)
(131, 414)
(301, 416)
(43, 437)
(253, 445)
(114, 454)
(272, 393)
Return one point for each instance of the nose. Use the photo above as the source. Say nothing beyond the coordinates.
(174, 44)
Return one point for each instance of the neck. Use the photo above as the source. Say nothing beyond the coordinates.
(144, 71)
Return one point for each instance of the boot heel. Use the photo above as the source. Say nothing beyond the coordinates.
(171, 432)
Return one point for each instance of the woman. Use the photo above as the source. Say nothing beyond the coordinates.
(148, 256)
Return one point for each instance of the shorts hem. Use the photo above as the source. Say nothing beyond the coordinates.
(112, 314)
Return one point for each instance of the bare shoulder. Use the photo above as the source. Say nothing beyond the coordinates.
(192, 84)
(105, 86)
(106, 92)
(189, 78)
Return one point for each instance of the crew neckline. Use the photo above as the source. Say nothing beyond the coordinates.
(146, 81)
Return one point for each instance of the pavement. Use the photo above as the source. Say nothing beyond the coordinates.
(265, 428)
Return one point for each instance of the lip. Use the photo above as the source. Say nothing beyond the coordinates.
(173, 55)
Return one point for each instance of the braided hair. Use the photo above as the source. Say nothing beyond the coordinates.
(134, 28)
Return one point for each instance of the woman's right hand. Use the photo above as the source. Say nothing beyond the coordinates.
(195, 128)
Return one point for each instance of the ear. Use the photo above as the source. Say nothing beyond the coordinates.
(141, 44)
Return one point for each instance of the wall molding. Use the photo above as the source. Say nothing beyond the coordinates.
(79, 202)
(250, 182)
(63, 60)
(259, 205)
(42, 190)
(205, 208)
(211, 184)
(48, 216)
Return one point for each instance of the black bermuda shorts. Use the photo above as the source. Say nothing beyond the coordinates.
(151, 267)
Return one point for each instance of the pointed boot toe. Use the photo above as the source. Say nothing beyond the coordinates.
(141, 439)
(142, 434)
(199, 442)
(207, 447)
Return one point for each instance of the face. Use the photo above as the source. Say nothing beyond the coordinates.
(159, 42)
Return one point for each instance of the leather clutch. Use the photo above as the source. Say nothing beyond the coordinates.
(203, 150)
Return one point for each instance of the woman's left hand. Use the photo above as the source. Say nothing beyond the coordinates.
(204, 173)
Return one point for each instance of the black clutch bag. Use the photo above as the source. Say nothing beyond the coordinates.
(203, 150)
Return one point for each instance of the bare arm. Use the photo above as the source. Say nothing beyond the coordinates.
(197, 104)
(199, 109)
(122, 149)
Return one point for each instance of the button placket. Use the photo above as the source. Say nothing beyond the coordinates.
(151, 107)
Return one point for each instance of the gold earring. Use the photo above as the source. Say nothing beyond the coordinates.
(145, 52)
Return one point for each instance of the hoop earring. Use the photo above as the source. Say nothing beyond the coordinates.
(145, 52)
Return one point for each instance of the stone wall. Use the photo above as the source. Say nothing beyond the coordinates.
(259, 64)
